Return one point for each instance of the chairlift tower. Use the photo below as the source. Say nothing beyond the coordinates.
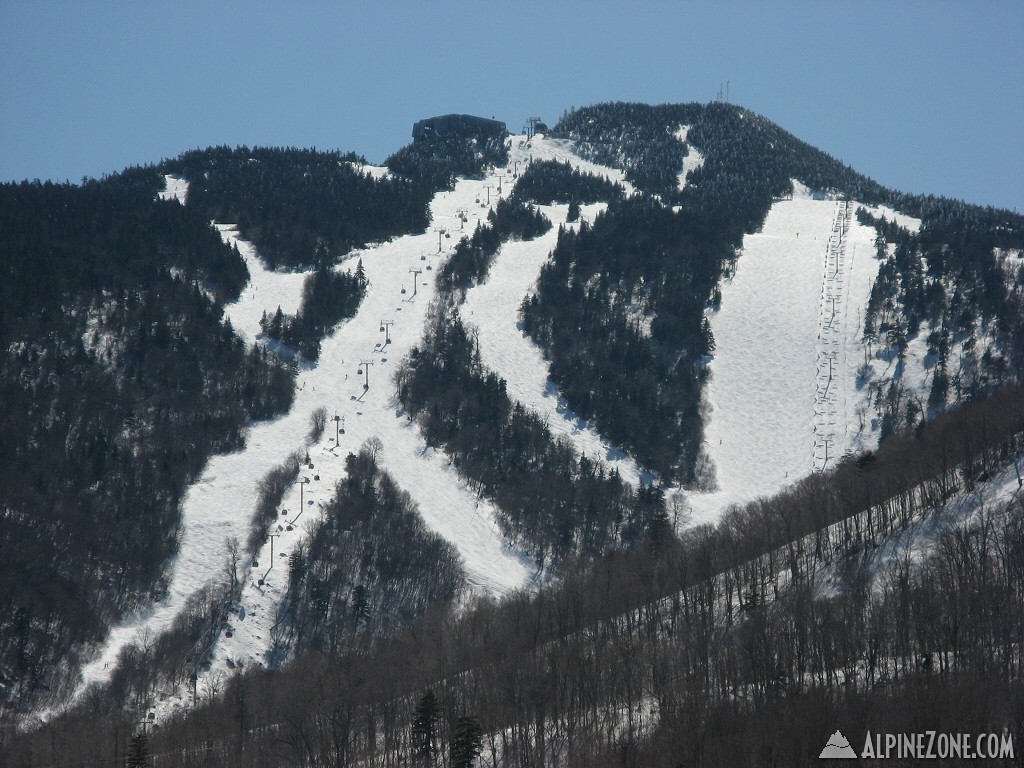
(364, 368)
(488, 188)
(385, 326)
(441, 232)
(416, 272)
(532, 131)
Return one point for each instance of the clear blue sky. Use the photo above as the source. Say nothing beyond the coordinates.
(922, 96)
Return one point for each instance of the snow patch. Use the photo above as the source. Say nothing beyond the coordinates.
(693, 160)
(175, 188)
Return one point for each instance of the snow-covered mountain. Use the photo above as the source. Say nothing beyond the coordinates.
(806, 312)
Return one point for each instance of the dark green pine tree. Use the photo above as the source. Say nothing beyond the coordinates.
(360, 605)
(424, 730)
(574, 211)
(138, 751)
(467, 743)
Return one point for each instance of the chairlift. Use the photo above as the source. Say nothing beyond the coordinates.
(382, 329)
(359, 371)
(429, 267)
(255, 563)
(284, 512)
(290, 528)
(447, 235)
(423, 257)
(478, 199)
(403, 290)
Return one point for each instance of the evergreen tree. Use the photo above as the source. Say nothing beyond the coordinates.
(360, 605)
(467, 743)
(138, 751)
(424, 729)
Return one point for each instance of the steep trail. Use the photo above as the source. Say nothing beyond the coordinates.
(775, 334)
(493, 308)
(219, 505)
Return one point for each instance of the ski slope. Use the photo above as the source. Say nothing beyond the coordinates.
(789, 307)
(219, 505)
(493, 308)
(693, 160)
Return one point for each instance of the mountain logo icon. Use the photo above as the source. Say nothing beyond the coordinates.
(837, 747)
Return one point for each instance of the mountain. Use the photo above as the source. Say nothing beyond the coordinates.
(643, 428)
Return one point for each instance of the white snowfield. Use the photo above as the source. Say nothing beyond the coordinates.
(775, 413)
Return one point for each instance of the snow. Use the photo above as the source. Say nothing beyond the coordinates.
(266, 291)
(773, 328)
(540, 147)
(693, 160)
(375, 171)
(219, 505)
(175, 188)
(493, 308)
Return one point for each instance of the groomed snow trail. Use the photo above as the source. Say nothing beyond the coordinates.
(760, 432)
(219, 505)
(493, 307)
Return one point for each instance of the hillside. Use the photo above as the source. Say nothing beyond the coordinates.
(664, 390)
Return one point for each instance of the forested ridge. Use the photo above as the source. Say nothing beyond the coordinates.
(714, 650)
(118, 380)
(619, 310)
(745, 642)
(300, 207)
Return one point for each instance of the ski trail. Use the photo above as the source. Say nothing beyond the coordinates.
(766, 329)
(493, 308)
(693, 160)
(266, 291)
(175, 188)
(219, 505)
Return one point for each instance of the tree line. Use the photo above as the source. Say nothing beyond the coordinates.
(119, 379)
(349, 582)
(703, 650)
(328, 297)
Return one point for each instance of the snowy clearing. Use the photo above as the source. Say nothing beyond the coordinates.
(776, 323)
(693, 160)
